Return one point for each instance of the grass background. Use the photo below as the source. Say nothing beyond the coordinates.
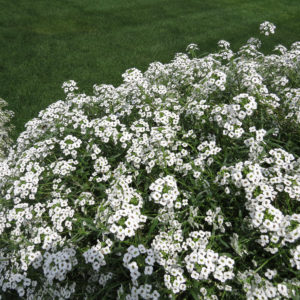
(44, 43)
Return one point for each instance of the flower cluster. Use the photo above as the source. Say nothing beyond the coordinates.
(216, 218)
(192, 47)
(5, 128)
(95, 255)
(57, 265)
(70, 87)
(164, 191)
(124, 204)
(181, 183)
(260, 287)
(267, 28)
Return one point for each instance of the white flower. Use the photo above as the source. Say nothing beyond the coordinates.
(148, 270)
(282, 289)
(150, 260)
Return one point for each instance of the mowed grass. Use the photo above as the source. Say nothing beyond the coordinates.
(44, 43)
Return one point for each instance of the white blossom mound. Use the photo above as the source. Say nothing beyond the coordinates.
(181, 183)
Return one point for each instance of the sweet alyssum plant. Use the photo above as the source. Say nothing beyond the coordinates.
(181, 183)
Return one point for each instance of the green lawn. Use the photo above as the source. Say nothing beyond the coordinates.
(44, 43)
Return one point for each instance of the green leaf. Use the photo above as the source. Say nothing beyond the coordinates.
(194, 295)
(153, 225)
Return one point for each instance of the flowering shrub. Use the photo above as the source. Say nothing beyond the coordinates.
(5, 129)
(181, 183)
